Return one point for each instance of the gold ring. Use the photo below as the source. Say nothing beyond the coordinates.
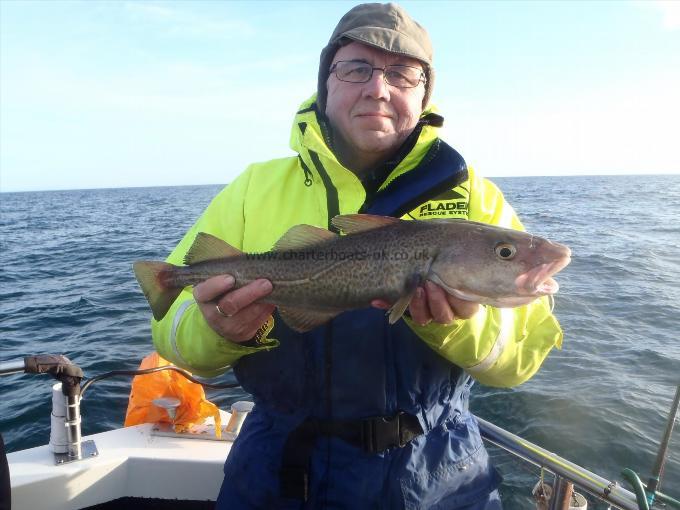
(219, 310)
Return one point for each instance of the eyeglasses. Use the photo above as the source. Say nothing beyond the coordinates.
(361, 72)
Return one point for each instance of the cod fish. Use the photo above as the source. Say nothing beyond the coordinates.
(317, 274)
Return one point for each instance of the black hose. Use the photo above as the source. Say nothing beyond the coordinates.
(146, 371)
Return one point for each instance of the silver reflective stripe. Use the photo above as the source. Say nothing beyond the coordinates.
(175, 325)
(505, 333)
(506, 217)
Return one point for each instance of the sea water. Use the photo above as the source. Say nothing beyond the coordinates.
(66, 286)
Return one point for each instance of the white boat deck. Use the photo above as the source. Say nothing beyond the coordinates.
(131, 463)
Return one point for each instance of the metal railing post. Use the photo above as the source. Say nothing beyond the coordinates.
(73, 430)
(561, 496)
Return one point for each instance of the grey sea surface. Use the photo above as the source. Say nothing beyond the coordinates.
(66, 286)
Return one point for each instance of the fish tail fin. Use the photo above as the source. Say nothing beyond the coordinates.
(154, 281)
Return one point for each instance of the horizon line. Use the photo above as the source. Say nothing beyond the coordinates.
(103, 188)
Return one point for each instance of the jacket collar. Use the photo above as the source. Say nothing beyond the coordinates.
(311, 139)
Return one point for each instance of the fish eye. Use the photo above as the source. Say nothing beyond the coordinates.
(505, 251)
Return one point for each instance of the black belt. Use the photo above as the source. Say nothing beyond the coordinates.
(372, 435)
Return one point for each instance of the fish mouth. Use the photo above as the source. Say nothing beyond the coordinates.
(539, 281)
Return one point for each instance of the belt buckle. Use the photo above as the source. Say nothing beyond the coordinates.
(382, 432)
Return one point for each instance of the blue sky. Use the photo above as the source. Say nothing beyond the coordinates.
(131, 93)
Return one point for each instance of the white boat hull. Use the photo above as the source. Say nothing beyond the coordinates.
(131, 462)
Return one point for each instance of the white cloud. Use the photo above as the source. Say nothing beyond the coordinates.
(189, 24)
(669, 9)
(671, 13)
(151, 11)
(249, 71)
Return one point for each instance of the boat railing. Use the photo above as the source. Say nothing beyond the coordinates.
(563, 470)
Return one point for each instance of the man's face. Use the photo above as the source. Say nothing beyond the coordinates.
(371, 120)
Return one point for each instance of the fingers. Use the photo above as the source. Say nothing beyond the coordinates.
(462, 309)
(439, 306)
(243, 325)
(419, 309)
(213, 288)
(238, 299)
(379, 303)
(241, 316)
(432, 303)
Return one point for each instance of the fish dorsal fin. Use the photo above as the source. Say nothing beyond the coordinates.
(353, 223)
(304, 319)
(208, 247)
(302, 236)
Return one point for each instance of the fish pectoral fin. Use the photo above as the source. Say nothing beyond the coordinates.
(303, 236)
(208, 247)
(304, 319)
(354, 223)
(398, 308)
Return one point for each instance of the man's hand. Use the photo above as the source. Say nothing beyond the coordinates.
(233, 314)
(432, 303)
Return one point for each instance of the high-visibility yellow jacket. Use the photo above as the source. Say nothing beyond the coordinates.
(498, 347)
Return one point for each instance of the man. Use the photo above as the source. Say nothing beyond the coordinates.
(357, 413)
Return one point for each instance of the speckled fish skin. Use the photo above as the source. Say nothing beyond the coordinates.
(386, 259)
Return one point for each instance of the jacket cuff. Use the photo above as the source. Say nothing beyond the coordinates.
(175, 339)
(260, 338)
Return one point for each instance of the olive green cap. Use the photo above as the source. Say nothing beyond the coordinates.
(387, 27)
